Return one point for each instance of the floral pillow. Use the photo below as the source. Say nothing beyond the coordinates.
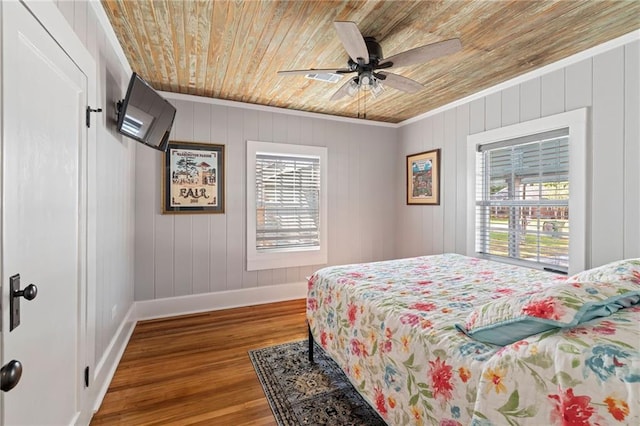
(621, 270)
(509, 319)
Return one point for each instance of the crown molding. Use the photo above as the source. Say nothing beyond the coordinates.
(266, 108)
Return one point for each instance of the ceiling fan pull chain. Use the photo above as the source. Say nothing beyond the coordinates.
(358, 94)
(364, 102)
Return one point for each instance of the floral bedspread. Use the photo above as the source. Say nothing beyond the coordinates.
(585, 375)
(390, 326)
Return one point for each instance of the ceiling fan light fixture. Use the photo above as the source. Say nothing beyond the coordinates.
(353, 87)
(376, 88)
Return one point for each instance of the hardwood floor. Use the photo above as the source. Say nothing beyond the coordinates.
(195, 370)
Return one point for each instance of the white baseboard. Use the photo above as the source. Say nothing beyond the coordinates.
(195, 303)
(106, 367)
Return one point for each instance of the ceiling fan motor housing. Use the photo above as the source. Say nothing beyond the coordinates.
(375, 55)
(375, 51)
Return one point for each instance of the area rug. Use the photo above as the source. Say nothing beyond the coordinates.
(304, 393)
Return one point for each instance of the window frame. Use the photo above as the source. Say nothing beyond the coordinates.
(508, 160)
(286, 257)
(576, 122)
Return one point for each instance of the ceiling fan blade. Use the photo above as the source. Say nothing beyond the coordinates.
(352, 40)
(426, 53)
(342, 91)
(314, 71)
(401, 83)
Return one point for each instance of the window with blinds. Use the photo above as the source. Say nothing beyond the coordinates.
(287, 219)
(287, 201)
(522, 199)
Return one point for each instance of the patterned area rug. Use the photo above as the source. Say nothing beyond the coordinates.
(302, 393)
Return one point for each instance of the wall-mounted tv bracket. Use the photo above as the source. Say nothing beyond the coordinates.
(119, 109)
(89, 111)
(30, 292)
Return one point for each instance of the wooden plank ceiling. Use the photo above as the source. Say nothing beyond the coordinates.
(233, 49)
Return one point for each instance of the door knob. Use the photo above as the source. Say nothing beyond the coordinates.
(10, 375)
(29, 292)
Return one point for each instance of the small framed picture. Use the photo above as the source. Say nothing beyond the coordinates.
(423, 178)
(193, 178)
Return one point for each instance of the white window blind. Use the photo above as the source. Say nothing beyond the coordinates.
(522, 199)
(287, 202)
(286, 191)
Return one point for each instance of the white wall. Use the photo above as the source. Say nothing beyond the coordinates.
(607, 83)
(114, 187)
(178, 255)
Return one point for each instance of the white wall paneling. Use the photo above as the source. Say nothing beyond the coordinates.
(462, 130)
(449, 180)
(163, 253)
(493, 111)
(147, 203)
(607, 83)
(183, 235)
(250, 131)
(429, 135)
(408, 245)
(353, 206)
(200, 255)
(196, 254)
(529, 100)
(367, 203)
(607, 179)
(234, 213)
(425, 245)
(437, 221)
(477, 116)
(632, 150)
(552, 93)
(183, 252)
(510, 105)
(578, 84)
(218, 222)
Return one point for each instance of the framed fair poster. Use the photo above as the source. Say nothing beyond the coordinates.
(193, 178)
(423, 178)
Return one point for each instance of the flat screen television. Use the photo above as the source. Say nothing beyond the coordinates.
(144, 115)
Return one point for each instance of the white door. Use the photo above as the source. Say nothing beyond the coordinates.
(43, 219)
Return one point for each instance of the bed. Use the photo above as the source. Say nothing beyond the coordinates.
(455, 340)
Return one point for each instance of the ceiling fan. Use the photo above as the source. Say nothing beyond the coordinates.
(365, 59)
